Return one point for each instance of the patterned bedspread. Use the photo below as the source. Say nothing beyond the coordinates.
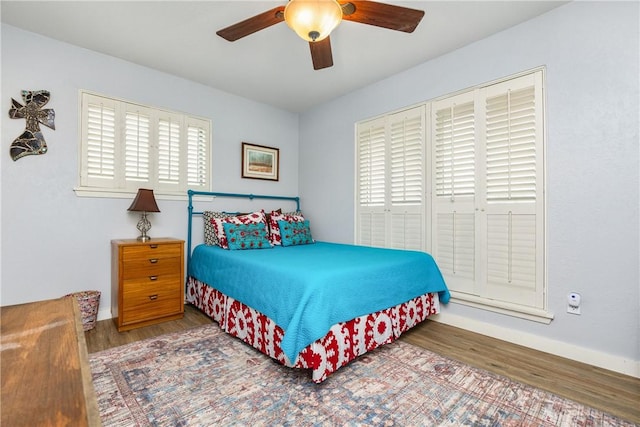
(344, 342)
(307, 289)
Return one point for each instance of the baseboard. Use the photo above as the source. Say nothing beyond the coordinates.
(536, 342)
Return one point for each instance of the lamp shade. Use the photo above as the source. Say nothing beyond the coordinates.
(313, 20)
(144, 202)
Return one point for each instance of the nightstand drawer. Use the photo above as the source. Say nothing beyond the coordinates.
(146, 284)
(140, 268)
(147, 301)
(151, 251)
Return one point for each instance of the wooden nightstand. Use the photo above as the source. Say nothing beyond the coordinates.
(147, 281)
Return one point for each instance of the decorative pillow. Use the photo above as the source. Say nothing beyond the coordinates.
(246, 236)
(295, 233)
(274, 228)
(268, 215)
(210, 236)
(251, 218)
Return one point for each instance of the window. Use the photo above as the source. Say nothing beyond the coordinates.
(482, 188)
(125, 146)
(487, 199)
(391, 181)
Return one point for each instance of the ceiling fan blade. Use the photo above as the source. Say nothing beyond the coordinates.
(253, 24)
(382, 15)
(321, 54)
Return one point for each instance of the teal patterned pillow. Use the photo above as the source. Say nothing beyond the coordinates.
(246, 236)
(295, 232)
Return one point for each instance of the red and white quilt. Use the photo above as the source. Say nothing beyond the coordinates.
(344, 342)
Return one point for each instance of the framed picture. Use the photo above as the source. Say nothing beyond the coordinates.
(260, 162)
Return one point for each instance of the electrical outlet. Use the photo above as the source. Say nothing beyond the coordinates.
(573, 303)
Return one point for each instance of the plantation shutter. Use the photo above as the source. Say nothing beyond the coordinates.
(487, 195)
(371, 185)
(406, 135)
(454, 195)
(125, 146)
(137, 140)
(391, 179)
(99, 142)
(513, 204)
(197, 154)
(169, 137)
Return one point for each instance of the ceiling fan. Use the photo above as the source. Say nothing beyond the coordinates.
(313, 20)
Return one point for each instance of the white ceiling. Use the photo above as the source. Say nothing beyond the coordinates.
(272, 66)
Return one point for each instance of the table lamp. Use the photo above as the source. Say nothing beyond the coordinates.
(144, 202)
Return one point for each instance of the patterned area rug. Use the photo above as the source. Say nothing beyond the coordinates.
(203, 377)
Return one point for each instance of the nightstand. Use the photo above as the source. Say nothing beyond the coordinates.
(147, 282)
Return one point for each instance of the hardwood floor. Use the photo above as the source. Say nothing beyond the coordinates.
(606, 390)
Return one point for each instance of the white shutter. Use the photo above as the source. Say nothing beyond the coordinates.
(371, 164)
(511, 249)
(513, 207)
(455, 249)
(487, 196)
(136, 147)
(407, 231)
(391, 181)
(125, 146)
(197, 154)
(371, 183)
(511, 146)
(168, 152)
(455, 148)
(98, 165)
(407, 158)
(453, 199)
(406, 192)
(371, 229)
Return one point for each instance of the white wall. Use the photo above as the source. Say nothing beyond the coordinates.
(590, 50)
(54, 242)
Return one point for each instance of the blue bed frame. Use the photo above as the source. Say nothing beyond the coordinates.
(192, 193)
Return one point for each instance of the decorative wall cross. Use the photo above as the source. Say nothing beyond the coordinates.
(31, 141)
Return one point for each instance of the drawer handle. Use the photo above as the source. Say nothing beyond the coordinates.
(153, 246)
(153, 260)
(153, 297)
(153, 277)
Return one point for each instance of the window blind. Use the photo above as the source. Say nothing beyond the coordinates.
(372, 164)
(136, 141)
(455, 150)
(100, 142)
(407, 154)
(125, 146)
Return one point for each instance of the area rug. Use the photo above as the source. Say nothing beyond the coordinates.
(203, 377)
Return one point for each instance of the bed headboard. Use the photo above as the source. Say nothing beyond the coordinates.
(192, 193)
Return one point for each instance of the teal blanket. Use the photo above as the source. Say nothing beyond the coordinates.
(306, 289)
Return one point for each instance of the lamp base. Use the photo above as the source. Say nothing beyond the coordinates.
(143, 226)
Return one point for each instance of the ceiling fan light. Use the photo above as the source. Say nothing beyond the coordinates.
(313, 20)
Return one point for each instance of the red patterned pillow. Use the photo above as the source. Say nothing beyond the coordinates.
(250, 218)
(274, 230)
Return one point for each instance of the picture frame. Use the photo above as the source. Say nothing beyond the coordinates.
(260, 162)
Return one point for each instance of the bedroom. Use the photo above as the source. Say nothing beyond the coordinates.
(590, 51)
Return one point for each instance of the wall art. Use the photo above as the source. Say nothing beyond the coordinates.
(260, 162)
(31, 141)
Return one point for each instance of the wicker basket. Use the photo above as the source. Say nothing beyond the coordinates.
(89, 301)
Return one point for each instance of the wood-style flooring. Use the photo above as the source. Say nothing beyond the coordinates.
(609, 391)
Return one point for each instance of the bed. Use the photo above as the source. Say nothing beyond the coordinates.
(307, 304)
